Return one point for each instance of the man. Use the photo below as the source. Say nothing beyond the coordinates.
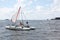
(21, 24)
(27, 25)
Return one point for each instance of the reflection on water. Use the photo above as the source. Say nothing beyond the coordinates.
(45, 30)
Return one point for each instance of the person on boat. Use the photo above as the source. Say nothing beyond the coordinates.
(27, 25)
(21, 24)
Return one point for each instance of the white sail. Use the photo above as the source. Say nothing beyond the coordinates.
(15, 16)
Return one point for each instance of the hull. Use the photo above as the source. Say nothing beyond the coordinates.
(19, 28)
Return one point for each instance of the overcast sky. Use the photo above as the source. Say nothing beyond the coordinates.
(33, 9)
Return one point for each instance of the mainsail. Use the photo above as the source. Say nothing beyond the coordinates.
(15, 16)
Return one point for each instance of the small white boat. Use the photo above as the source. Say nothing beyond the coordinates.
(18, 27)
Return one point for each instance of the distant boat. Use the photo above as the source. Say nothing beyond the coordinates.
(21, 25)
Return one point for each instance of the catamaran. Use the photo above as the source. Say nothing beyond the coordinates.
(21, 26)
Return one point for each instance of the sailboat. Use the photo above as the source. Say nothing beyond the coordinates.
(21, 26)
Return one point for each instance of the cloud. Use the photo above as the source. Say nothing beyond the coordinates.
(39, 8)
(2, 0)
(5, 13)
(55, 8)
(37, 11)
(35, 0)
(32, 11)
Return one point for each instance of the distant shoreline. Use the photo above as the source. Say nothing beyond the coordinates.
(57, 18)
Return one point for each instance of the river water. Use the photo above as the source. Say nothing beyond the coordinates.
(45, 30)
